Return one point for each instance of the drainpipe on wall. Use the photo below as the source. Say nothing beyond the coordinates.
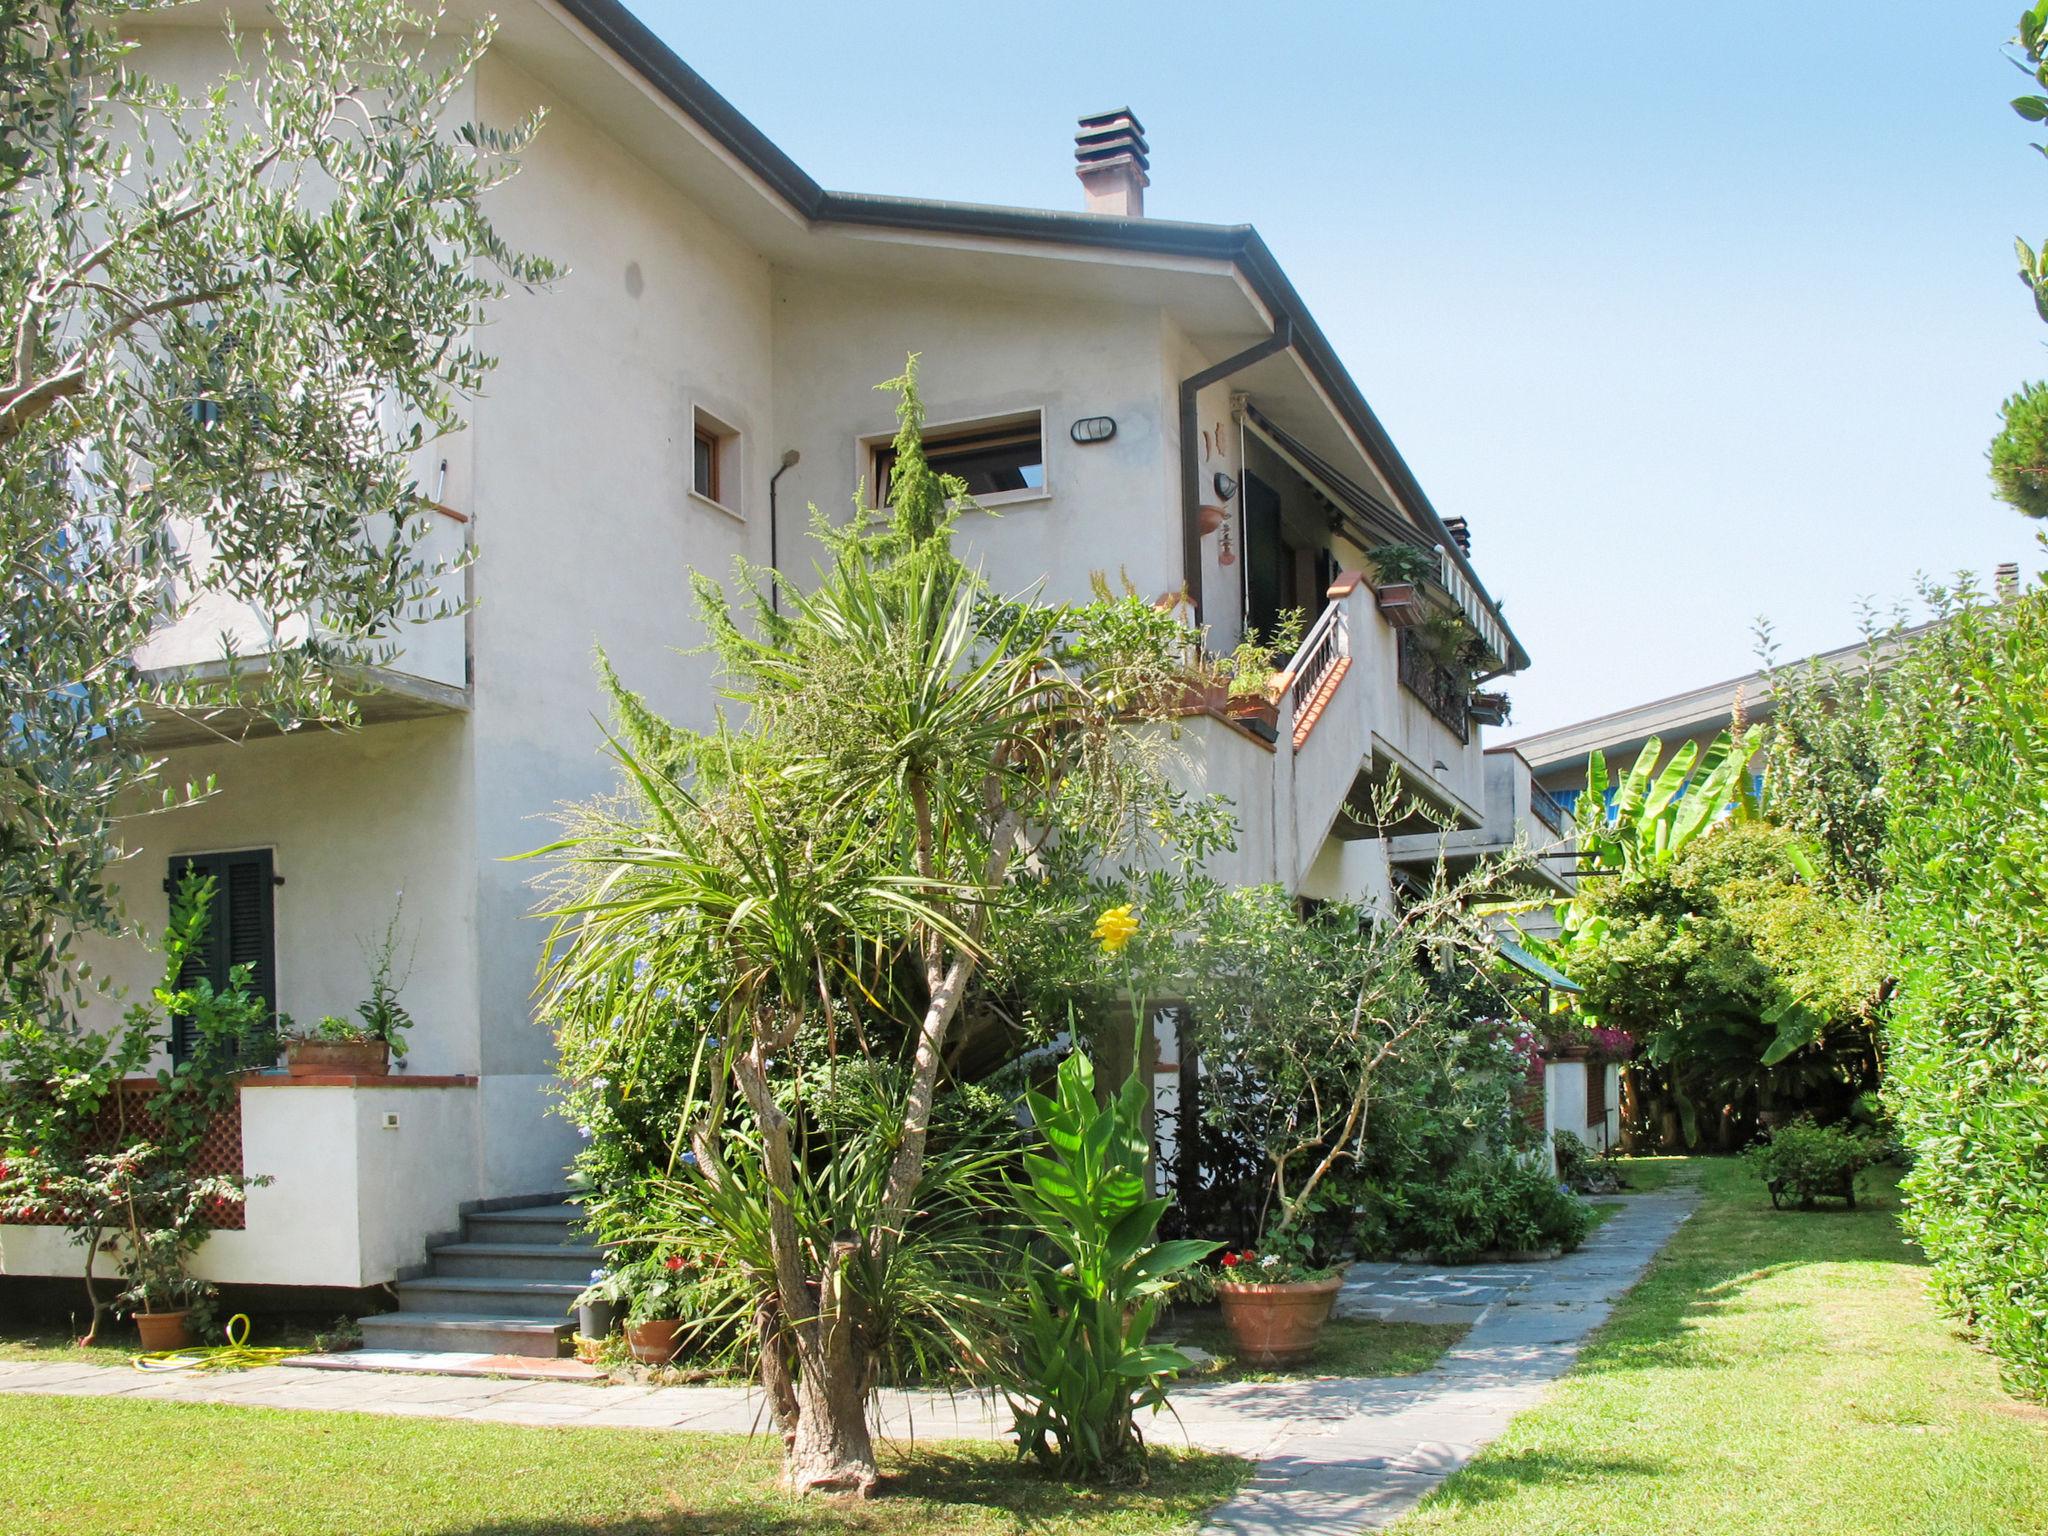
(789, 458)
(1191, 466)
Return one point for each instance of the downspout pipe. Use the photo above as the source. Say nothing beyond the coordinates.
(789, 458)
(1190, 435)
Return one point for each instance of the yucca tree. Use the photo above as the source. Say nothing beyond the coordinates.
(832, 866)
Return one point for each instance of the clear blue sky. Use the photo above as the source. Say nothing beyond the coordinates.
(1696, 312)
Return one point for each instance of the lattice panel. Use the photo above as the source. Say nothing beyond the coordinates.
(220, 1150)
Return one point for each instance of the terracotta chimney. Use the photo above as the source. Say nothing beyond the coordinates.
(1111, 158)
(2005, 580)
(1461, 531)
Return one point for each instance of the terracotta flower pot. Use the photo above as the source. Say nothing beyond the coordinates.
(164, 1330)
(348, 1058)
(1400, 604)
(1253, 706)
(1277, 1324)
(653, 1343)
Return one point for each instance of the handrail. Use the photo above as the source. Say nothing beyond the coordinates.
(1323, 650)
(1313, 656)
(1548, 808)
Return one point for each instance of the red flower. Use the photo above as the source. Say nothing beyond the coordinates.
(1230, 1261)
(674, 1261)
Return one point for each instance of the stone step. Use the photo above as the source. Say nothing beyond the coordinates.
(474, 1333)
(516, 1261)
(526, 1224)
(546, 1299)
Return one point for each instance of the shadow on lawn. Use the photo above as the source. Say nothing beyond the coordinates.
(1732, 1243)
(918, 1490)
(1503, 1476)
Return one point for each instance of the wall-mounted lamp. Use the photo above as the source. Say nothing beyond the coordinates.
(1093, 429)
(1226, 487)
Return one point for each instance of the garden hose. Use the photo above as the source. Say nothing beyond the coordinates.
(235, 1355)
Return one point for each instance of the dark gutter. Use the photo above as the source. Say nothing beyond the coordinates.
(628, 37)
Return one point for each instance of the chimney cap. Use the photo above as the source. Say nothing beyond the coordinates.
(1108, 136)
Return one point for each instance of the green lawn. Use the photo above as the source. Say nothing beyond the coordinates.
(1350, 1347)
(1647, 1175)
(1775, 1372)
(105, 1467)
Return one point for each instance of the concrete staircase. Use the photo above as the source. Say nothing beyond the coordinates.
(504, 1289)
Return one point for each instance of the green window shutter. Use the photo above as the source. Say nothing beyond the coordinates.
(241, 929)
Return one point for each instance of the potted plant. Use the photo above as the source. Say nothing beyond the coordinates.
(366, 1048)
(1276, 1302)
(167, 1306)
(1488, 708)
(163, 1213)
(336, 1046)
(600, 1310)
(1253, 667)
(1401, 569)
(659, 1296)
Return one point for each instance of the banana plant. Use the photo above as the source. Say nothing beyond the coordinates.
(1092, 1287)
(1655, 815)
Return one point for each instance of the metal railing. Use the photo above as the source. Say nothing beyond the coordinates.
(1327, 643)
(1548, 809)
(1444, 692)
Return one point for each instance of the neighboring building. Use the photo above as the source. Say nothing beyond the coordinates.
(1559, 757)
(1132, 396)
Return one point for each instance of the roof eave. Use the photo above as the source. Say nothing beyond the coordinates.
(637, 46)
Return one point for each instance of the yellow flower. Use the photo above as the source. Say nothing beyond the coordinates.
(1114, 929)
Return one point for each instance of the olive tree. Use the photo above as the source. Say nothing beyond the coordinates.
(216, 306)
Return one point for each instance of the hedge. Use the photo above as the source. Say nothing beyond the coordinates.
(1966, 784)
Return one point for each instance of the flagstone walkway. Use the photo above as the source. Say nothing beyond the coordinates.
(1336, 1455)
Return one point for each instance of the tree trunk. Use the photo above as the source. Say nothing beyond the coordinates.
(832, 1451)
(828, 1446)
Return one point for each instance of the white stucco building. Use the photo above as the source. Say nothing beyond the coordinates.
(1133, 396)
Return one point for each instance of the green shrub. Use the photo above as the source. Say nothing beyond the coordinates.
(1805, 1160)
(1967, 1037)
(1088, 1297)
(1487, 1204)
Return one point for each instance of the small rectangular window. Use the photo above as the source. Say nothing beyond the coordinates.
(715, 461)
(993, 458)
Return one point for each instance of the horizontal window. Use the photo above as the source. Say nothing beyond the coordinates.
(993, 458)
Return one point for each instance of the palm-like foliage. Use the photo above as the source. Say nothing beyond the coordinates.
(827, 876)
(776, 914)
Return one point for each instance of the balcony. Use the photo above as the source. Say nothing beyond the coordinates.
(423, 670)
(1519, 812)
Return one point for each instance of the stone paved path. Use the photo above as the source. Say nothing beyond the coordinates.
(1336, 1455)
(1380, 1445)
